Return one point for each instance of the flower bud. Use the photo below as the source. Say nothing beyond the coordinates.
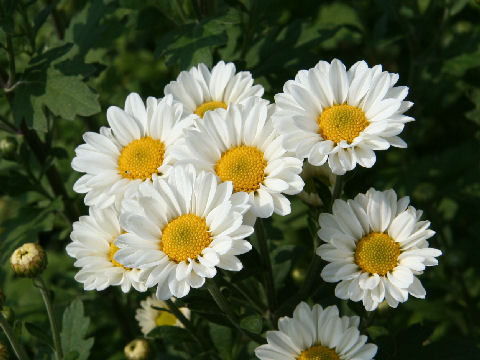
(4, 353)
(29, 260)
(137, 349)
(8, 148)
(7, 314)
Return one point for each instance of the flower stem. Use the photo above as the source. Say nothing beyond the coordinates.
(224, 306)
(337, 189)
(266, 264)
(40, 284)
(16, 344)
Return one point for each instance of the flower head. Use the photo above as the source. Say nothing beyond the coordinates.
(137, 147)
(329, 113)
(181, 229)
(137, 349)
(201, 91)
(376, 245)
(28, 260)
(316, 333)
(93, 246)
(154, 312)
(240, 145)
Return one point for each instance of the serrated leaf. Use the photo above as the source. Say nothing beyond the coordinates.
(222, 340)
(74, 328)
(68, 96)
(252, 323)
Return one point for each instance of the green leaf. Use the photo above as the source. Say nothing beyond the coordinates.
(74, 329)
(222, 340)
(171, 334)
(281, 263)
(68, 96)
(39, 333)
(252, 323)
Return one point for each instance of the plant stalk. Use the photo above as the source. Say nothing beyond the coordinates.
(224, 306)
(266, 264)
(40, 284)
(16, 344)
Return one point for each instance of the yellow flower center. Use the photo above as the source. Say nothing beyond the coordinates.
(209, 105)
(318, 352)
(244, 166)
(141, 158)
(377, 253)
(185, 237)
(341, 122)
(165, 318)
(111, 252)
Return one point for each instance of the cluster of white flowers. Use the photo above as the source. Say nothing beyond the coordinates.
(175, 185)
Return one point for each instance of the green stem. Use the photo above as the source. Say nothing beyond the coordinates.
(40, 284)
(179, 315)
(225, 307)
(16, 344)
(11, 62)
(266, 264)
(337, 189)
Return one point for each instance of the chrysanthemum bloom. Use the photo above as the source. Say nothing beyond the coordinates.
(137, 147)
(241, 145)
(93, 246)
(28, 260)
(316, 333)
(181, 229)
(376, 246)
(330, 113)
(149, 316)
(200, 90)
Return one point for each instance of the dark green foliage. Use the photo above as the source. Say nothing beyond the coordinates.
(62, 63)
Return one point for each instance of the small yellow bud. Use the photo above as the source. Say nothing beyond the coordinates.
(137, 350)
(29, 260)
(7, 313)
(8, 148)
(4, 353)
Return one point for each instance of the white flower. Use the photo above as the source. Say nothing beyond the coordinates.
(200, 90)
(330, 113)
(137, 147)
(181, 229)
(316, 333)
(241, 145)
(376, 245)
(92, 245)
(149, 316)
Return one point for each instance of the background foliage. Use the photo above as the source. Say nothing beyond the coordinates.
(62, 63)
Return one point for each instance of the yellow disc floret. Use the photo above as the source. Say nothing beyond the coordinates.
(185, 237)
(244, 166)
(165, 318)
(141, 158)
(318, 352)
(377, 253)
(341, 122)
(113, 249)
(209, 105)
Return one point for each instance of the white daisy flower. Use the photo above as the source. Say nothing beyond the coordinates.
(376, 246)
(181, 229)
(92, 245)
(200, 90)
(241, 145)
(149, 315)
(137, 147)
(330, 113)
(316, 333)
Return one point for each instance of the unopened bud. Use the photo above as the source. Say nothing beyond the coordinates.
(7, 313)
(29, 260)
(8, 148)
(4, 353)
(137, 350)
